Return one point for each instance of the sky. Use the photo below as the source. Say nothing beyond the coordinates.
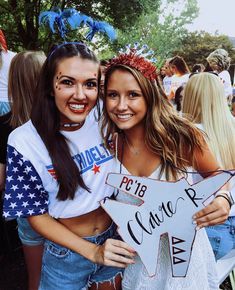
(215, 15)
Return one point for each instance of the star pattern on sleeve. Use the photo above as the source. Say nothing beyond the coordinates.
(24, 194)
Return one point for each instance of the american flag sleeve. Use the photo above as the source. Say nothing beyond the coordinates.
(24, 193)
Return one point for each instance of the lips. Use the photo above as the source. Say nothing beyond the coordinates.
(77, 108)
(124, 117)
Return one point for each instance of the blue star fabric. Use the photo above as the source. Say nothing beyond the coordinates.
(24, 193)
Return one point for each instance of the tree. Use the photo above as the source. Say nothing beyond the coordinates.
(163, 29)
(19, 18)
(196, 46)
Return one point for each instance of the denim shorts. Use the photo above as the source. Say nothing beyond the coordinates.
(66, 270)
(27, 235)
(4, 108)
(222, 237)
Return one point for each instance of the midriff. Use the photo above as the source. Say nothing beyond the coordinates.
(90, 224)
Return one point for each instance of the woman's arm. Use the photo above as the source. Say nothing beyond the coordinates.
(111, 253)
(218, 210)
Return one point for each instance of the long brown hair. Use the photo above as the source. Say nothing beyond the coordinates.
(168, 135)
(23, 76)
(180, 64)
(46, 119)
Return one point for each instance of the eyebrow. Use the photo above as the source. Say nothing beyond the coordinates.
(72, 78)
(134, 90)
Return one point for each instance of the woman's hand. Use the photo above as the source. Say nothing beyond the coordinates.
(114, 253)
(215, 213)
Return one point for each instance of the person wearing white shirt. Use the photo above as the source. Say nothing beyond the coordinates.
(219, 61)
(5, 60)
(166, 82)
(180, 76)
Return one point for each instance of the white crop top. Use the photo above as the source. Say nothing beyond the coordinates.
(31, 185)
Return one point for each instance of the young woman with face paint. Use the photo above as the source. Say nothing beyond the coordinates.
(57, 165)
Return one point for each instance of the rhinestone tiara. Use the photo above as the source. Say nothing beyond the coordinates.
(140, 58)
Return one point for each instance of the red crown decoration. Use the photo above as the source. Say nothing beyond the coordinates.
(3, 40)
(136, 58)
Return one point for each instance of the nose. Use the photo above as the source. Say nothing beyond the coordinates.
(122, 104)
(79, 92)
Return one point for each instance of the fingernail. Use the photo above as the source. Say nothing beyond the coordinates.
(197, 228)
(194, 217)
(194, 222)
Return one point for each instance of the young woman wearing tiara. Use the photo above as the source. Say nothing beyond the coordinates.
(153, 141)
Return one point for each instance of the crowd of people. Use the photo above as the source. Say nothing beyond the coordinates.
(68, 119)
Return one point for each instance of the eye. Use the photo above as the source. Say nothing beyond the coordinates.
(111, 95)
(91, 84)
(67, 82)
(133, 94)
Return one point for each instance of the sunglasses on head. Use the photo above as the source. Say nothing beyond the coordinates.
(196, 73)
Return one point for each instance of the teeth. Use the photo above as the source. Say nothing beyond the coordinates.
(126, 116)
(77, 106)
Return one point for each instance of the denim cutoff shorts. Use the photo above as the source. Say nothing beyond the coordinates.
(4, 108)
(222, 237)
(64, 269)
(27, 235)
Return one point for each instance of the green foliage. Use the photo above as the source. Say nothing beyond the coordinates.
(158, 23)
(162, 29)
(197, 46)
(19, 19)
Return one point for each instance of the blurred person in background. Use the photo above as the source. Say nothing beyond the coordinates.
(219, 61)
(166, 82)
(205, 105)
(180, 73)
(5, 61)
(23, 74)
(198, 67)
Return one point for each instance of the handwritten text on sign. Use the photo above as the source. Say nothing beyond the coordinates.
(147, 208)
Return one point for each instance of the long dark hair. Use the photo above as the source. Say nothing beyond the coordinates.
(180, 64)
(46, 119)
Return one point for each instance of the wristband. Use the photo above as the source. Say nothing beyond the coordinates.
(225, 197)
(226, 192)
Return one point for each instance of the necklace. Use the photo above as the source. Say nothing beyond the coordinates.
(70, 125)
(132, 149)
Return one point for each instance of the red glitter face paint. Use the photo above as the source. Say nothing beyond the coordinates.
(75, 88)
(56, 84)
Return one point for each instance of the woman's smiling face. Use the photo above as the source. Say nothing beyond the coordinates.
(75, 86)
(125, 102)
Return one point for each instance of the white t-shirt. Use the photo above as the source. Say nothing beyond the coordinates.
(4, 70)
(177, 81)
(226, 79)
(31, 185)
(167, 84)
